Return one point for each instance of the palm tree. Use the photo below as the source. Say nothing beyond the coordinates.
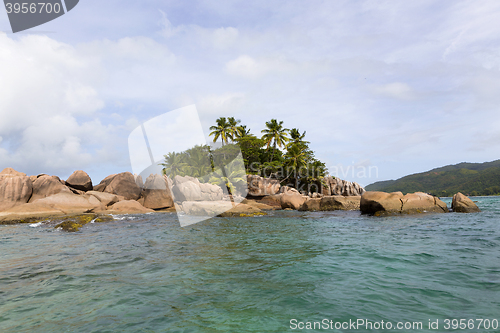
(275, 133)
(232, 177)
(241, 132)
(174, 164)
(233, 127)
(199, 161)
(222, 130)
(296, 157)
(296, 137)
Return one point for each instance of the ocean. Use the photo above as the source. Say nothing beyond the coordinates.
(285, 272)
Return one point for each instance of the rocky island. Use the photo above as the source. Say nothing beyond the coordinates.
(245, 177)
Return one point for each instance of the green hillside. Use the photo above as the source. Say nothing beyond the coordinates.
(469, 178)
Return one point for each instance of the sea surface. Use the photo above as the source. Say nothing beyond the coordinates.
(275, 273)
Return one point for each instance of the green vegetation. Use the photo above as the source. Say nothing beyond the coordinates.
(471, 179)
(280, 153)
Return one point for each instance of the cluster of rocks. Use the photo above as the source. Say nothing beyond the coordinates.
(381, 203)
(43, 195)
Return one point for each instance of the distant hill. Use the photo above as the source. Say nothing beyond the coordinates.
(469, 178)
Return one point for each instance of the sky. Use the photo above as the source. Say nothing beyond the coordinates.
(383, 89)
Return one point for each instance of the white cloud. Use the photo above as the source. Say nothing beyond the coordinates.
(248, 67)
(224, 37)
(398, 90)
(382, 81)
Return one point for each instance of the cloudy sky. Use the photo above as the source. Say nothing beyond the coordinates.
(398, 86)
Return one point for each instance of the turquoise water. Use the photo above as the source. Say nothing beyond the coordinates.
(144, 273)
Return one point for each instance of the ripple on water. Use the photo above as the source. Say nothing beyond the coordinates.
(144, 273)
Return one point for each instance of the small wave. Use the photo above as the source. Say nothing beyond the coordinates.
(35, 225)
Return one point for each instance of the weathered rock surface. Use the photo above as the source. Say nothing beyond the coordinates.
(29, 211)
(106, 199)
(187, 191)
(292, 200)
(129, 207)
(156, 193)
(105, 182)
(15, 188)
(190, 189)
(330, 203)
(340, 202)
(139, 181)
(122, 184)
(381, 203)
(9, 172)
(337, 186)
(214, 208)
(80, 180)
(260, 186)
(462, 204)
(211, 192)
(45, 186)
(271, 200)
(311, 204)
(66, 202)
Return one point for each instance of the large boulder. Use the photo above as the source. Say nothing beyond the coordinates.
(260, 186)
(292, 200)
(210, 192)
(337, 186)
(340, 202)
(66, 202)
(15, 188)
(419, 202)
(330, 203)
(271, 200)
(129, 207)
(105, 182)
(80, 180)
(311, 204)
(187, 191)
(190, 189)
(381, 203)
(156, 193)
(462, 204)
(9, 172)
(45, 186)
(122, 184)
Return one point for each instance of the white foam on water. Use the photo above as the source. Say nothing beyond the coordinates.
(34, 225)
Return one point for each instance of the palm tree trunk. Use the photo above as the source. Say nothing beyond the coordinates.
(296, 180)
(274, 149)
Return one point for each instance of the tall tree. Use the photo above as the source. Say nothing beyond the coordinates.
(198, 161)
(275, 133)
(296, 137)
(174, 164)
(296, 157)
(222, 129)
(241, 132)
(233, 127)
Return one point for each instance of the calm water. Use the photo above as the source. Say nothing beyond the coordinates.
(146, 274)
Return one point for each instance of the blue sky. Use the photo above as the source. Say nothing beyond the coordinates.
(402, 87)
